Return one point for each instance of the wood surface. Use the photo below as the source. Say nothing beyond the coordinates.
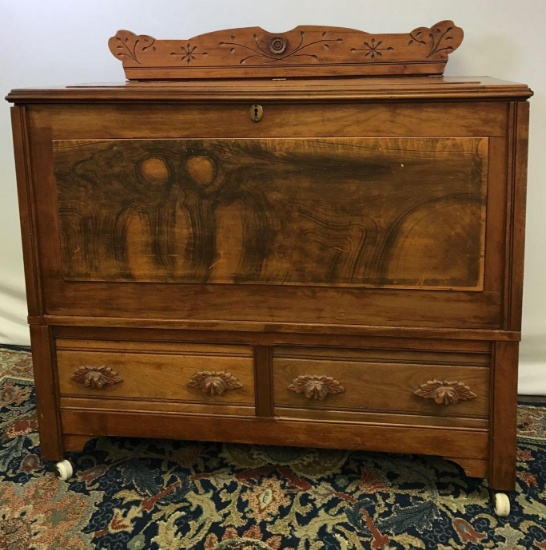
(292, 309)
(503, 407)
(429, 348)
(355, 118)
(383, 340)
(375, 386)
(263, 374)
(516, 205)
(370, 417)
(159, 372)
(47, 394)
(384, 437)
(267, 332)
(309, 51)
(27, 210)
(337, 307)
(401, 213)
(301, 91)
(140, 406)
(472, 467)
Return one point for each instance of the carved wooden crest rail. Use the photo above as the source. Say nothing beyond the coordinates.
(306, 51)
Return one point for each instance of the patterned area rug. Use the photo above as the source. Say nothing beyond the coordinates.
(143, 495)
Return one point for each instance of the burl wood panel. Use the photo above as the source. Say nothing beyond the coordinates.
(385, 212)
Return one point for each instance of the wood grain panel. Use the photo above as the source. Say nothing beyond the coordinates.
(159, 375)
(405, 213)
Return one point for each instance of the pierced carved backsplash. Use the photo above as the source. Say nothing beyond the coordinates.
(304, 51)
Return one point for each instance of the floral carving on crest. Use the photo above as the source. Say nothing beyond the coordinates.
(442, 37)
(128, 44)
(374, 49)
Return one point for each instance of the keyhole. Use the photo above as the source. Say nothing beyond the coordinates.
(256, 113)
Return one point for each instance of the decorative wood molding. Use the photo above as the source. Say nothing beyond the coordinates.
(96, 377)
(445, 392)
(214, 382)
(311, 51)
(316, 387)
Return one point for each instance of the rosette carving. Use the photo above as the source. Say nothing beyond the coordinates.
(96, 377)
(316, 387)
(445, 392)
(214, 382)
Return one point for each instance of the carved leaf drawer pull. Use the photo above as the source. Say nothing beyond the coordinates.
(96, 377)
(214, 382)
(445, 392)
(316, 387)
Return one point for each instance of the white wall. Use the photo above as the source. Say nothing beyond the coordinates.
(58, 42)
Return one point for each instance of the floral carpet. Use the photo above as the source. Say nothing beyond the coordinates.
(144, 495)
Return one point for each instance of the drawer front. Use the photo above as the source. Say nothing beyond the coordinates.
(138, 371)
(356, 380)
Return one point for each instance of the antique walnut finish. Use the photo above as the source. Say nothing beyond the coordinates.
(308, 261)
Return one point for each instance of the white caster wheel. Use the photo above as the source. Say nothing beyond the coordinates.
(502, 505)
(64, 469)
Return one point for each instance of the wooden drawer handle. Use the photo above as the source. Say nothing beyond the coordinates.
(214, 382)
(96, 377)
(445, 392)
(316, 387)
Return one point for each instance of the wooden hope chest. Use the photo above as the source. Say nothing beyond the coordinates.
(301, 239)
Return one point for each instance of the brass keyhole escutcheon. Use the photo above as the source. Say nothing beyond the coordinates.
(256, 113)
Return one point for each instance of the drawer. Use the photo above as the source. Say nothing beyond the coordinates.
(124, 374)
(407, 382)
